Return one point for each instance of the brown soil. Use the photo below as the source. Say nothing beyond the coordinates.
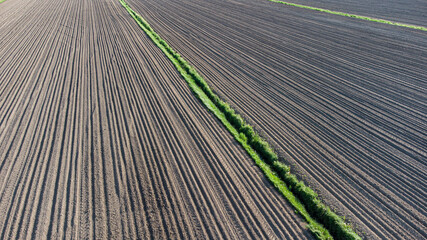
(101, 138)
(342, 100)
(408, 11)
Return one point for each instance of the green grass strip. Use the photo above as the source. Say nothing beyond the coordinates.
(352, 15)
(325, 223)
(2, 1)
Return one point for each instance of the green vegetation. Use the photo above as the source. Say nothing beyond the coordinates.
(301, 197)
(2, 1)
(352, 15)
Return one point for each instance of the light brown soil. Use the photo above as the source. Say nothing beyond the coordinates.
(101, 138)
(343, 100)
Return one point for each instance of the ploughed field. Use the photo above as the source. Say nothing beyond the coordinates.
(100, 137)
(408, 11)
(344, 101)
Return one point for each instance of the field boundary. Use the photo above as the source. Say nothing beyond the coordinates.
(322, 222)
(352, 15)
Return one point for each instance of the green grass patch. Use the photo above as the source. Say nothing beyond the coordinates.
(352, 15)
(322, 222)
(2, 1)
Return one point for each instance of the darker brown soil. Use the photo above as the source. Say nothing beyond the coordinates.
(342, 100)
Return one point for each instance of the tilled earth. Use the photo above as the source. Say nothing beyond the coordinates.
(344, 101)
(100, 137)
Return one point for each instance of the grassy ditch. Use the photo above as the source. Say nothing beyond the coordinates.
(322, 222)
(352, 15)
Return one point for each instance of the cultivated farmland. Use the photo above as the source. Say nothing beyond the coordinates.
(101, 138)
(107, 132)
(342, 100)
(409, 11)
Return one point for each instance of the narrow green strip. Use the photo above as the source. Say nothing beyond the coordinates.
(352, 15)
(259, 150)
(2, 1)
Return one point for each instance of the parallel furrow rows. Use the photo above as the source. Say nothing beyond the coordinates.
(347, 112)
(101, 138)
